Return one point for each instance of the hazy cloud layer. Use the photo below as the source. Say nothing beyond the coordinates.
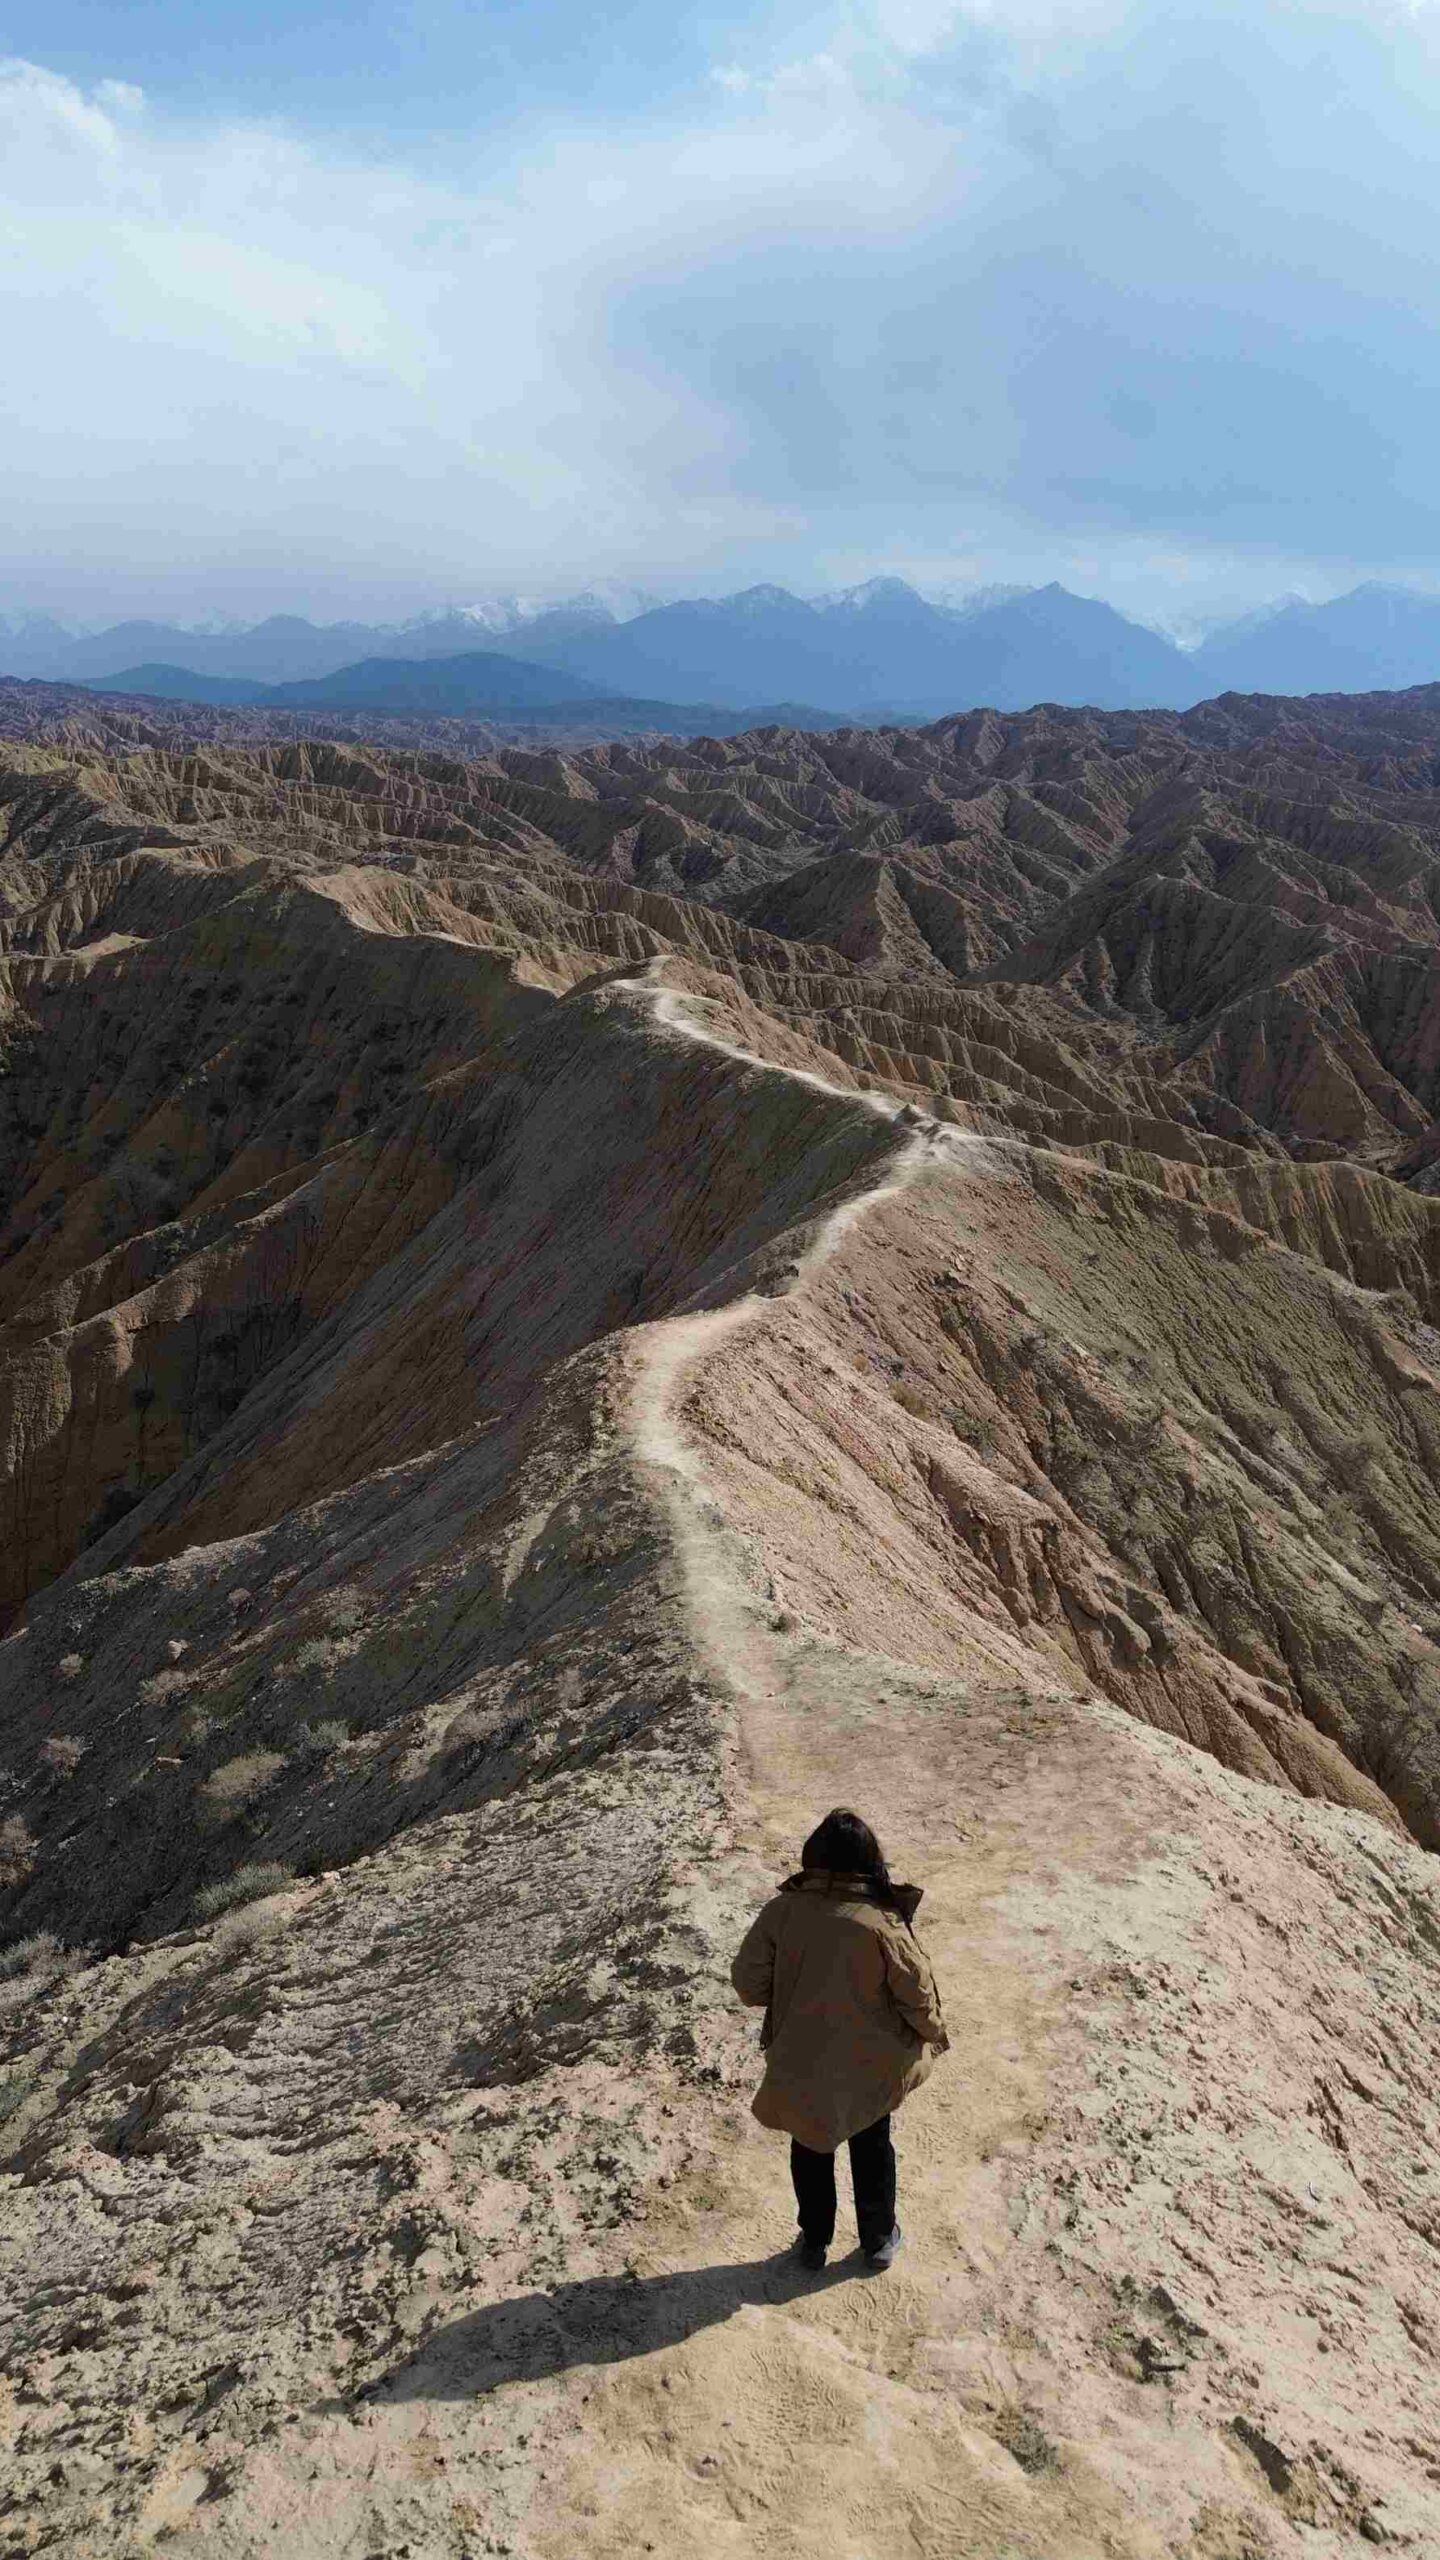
(1143, 298)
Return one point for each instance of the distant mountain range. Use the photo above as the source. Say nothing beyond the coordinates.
(475, 680)
(1374, 640)
(479, 684)
(878, 651)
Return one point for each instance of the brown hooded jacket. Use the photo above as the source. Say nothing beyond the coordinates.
(853, 2018)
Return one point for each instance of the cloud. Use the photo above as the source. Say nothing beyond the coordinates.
(233, 346)
(1090, 286)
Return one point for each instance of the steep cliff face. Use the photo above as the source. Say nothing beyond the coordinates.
(559, 1313)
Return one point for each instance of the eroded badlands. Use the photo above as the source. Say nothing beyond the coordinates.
(561, 1314)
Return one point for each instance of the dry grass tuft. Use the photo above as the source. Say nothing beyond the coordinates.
(162, 1685)
(319, 1740)
(17, 1850)
(15, 2088)
(62, 1754)
(248, 1884)
(1024, 2438)
(237, 1782)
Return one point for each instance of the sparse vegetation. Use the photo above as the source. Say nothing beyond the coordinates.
(1024, 2437)
(319, 1653)
(29, 1955)
(317, 1741)
(31, 1964)
(15, 2088)
(251, 1925)
(248, 1884)
(69, 1666)
(975, 1428)
(916, 1400)
(17, 1850)
(61, 1754)
(162, 1685)
(236, 1783)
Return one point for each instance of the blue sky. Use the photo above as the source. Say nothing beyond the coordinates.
(365, 310)
(431, 72)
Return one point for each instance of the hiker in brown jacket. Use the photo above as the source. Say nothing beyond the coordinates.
(852, 2025)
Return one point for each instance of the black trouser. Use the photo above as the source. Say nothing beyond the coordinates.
(872, 2170)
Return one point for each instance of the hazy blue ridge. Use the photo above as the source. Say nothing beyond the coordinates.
(479, 685)
(883, 652)
(177, 684)
(897, 651)
(1376, 639)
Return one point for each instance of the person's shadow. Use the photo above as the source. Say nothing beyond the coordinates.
(599, 2320)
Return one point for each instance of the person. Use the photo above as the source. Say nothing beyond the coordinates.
(852, 2026)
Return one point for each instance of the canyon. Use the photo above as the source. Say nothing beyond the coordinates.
(564, 1306)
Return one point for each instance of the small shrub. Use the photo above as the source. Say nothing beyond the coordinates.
(31, 1965)
(915, 1400)
(162, 1685)
(976, 1428)
(17, 1849)
(28, 1955)
(1026, 2439)
(196, 1726)
(317, 1741)
(251, 1925)
(15, 2088)
(248, 1884)
(62, 1754)
(69, 1666)
(321, 1653)
(344, 1611)
(237, 1782)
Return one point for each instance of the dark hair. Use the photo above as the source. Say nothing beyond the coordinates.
(848, 1847)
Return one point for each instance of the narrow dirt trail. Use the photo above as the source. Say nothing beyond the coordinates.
(1129, 2321)
(835, 2419)
(1130, 2256)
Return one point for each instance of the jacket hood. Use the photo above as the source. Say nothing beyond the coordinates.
(905, 1898)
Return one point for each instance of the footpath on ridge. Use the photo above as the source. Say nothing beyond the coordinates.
(524, 1386)
(1114, 2326)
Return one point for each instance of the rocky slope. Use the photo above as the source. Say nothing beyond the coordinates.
(562, 1313)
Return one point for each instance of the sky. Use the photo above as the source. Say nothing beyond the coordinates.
(368, 308)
